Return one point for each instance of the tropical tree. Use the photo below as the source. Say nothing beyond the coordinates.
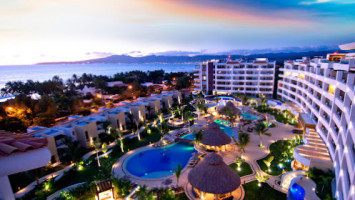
(138, 133)
(261, 178)
(243, 141)
(104, 148)
(325, 182)
(268, 162)
(198, 137)
(177, 172)
(143, 193)
(260, 131)
(47, 185)
(310, 173)
(244, 99)
(120, 139)
(97, 147)
(238, 161)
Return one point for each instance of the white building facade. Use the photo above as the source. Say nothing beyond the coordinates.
(236, 76)
(325, 89)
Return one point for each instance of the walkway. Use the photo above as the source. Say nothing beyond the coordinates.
(31, 186)
(253, 153)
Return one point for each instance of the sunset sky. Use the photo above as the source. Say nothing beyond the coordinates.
(64, 30)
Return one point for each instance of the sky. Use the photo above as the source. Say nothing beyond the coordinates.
(34, 31)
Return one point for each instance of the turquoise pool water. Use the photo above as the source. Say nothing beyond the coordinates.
(159, 162)
(190, 136)
(224, 125)
(249, 116)
(296, 192)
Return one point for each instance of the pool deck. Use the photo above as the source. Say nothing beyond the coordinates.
(252, 153)
(119, 171)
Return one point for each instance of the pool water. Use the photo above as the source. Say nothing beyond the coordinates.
(249, 116)
(159, 162)
(224, 125)
(296, 192)
(190, 136)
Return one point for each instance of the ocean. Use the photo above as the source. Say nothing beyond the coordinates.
(65, 71)
(45, 72)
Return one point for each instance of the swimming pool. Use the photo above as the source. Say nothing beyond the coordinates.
(224, 125)
(190, 136)
(249, 116)
(226, 98)
(296, 192)
(159, 162)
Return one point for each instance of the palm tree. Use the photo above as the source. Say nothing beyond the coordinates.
(104, 148)
(97, 146)
(260, 131)
(310, 173)
(261, 178)
(143, 193)
(177, 172)
(325, 182)
(120, 134)
(243, 141)
(238, 161)
(268, 162)
(244, 99)
(198, 137)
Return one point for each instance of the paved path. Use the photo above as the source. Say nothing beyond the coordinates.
(252, 153)
(32, 185)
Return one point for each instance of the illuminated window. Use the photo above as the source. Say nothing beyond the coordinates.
(331, 89)
(287, 73)
(204, 78)
(301, 76)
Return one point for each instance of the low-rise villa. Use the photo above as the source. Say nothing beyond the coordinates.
(222, 146)
(214, 179)
(19, 153)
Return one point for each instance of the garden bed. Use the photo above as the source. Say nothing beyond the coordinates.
(282, 151)
(265, 192)
(245, 169)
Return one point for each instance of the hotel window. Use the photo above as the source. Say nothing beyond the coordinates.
(87, 136)
(331, 89)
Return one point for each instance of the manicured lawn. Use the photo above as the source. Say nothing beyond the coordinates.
(265, 192)
(92, 172)
(245, 169)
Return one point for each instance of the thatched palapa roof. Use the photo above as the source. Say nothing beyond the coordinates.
(214, 176)
(232, 107)
(214, 136)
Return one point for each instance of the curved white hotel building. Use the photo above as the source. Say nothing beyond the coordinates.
(236, 76)
(325, 90)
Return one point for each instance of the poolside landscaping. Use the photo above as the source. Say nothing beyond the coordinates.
(244, 169)
(265, 192)
(143, 163)
(284, 116)
(282, 155)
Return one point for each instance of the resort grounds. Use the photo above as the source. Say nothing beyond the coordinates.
(257, 180)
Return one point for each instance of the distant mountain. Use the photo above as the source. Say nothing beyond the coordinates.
(279, 57)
